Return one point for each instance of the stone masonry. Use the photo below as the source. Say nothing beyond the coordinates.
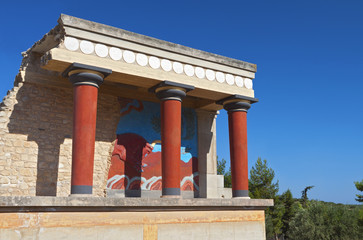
(36, 140)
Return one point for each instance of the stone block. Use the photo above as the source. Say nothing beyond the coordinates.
(220, 181)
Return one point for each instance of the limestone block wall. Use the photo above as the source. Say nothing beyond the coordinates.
(36, 140)
(156, 225)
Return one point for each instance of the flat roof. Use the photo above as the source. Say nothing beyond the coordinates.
(138, 62)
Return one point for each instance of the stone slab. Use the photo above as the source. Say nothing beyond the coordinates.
(79, 203)
(103, 29)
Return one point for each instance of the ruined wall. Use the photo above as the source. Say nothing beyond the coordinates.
(36, 140)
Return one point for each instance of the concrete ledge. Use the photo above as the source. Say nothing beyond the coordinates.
(98, 204)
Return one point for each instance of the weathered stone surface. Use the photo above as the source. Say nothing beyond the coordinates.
(36, 145)
(146, 204)
(70, 21)
(151, 225)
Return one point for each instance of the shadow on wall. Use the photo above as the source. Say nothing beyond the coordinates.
(45, 115)
(136, 157)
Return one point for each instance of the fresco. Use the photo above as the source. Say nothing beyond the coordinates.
(136, 157)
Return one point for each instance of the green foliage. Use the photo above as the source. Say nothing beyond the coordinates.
(277, 212)
(359, 186)
(228, 179)
(325, 221)
(290, 209)
(221, 170)
(261, 186)
(360, 218)
(221, 166)
(292, 219)
(304, 195)
(261, 181)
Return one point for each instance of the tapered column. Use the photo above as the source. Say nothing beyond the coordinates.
(237, 107)
(171, 95)
(86, 80)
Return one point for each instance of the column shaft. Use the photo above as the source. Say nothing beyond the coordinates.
(171, 95)
(171, 143)
(84, 131)
(86, 79)
(237, 121)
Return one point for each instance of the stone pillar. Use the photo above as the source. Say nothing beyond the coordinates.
(86, 80)
(237, 107)
(171, 95)
(207, 157)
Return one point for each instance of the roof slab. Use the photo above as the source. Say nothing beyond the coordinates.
(137, 62)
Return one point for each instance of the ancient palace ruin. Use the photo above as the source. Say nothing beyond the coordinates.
(109, 134)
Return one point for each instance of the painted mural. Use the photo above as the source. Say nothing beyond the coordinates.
(136, 157)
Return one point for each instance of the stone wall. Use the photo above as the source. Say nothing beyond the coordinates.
(36, 140)
(156, 225)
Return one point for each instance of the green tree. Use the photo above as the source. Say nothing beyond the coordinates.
(304, 195)
(221, 166)
(262, 185)
(290, 210)
(276, 212)
(228, 179)
(261, 181)
(325, 221)
(359, 186)
(221, 170)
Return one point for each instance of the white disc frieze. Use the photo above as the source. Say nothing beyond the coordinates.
(229, 79)
(239, 81)
(154, 62)
(211, 75)
(199, 72)
(220, 77)
(86, 47)
(115, 53)
(71, 43)
(189, 70)
(166, 65)
(129, 56)
(177, 67)
(101, 50)
(141, 59)
(248, 83)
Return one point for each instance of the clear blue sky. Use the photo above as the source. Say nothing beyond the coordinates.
(309, 55)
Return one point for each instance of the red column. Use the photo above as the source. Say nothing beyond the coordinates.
(86, 80)
(237, 122)
(237, 107)
(171, 95)
(84, 132)
(170, 144)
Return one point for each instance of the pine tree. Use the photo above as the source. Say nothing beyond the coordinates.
(359, 186)
(261, 185)
(221, 166)
(304, 195)
(290, 210)
(261, 181)
(221, 170)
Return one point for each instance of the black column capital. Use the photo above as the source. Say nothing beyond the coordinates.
(82, 74)
(237, 103)
(167, 90)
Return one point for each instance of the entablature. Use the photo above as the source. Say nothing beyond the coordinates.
(140, 62)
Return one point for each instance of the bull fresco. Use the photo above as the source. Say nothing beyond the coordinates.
(136, 156)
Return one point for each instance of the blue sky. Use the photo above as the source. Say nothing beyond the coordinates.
(309, 55)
